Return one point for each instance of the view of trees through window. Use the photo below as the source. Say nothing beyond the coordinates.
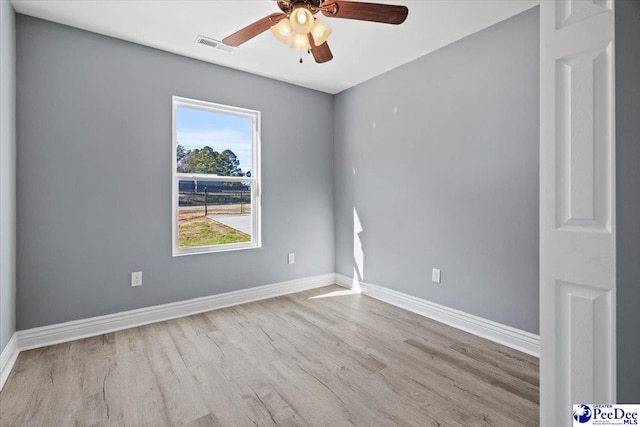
(207, 160)
(214, 183)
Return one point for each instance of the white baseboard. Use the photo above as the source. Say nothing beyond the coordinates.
(506, 335)
(8, 359)
(84, 328)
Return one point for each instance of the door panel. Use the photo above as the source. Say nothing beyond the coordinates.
(577, 207)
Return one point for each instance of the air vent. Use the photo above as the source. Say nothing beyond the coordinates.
(216, 44)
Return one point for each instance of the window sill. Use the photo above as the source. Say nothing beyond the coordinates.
(215, 249)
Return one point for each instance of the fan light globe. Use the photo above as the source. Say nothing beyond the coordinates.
(282, 31)
(320, 32)
(300, 41)
(301, 20)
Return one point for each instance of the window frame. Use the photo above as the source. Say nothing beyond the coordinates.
(254, 180)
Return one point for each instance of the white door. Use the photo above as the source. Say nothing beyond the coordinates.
(577, 207)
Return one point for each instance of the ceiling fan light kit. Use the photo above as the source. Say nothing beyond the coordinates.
(309, 33)
(301, 19)
(300, 41)
(320, 32)
(282, 30)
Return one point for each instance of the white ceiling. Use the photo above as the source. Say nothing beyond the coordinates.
(361, 50)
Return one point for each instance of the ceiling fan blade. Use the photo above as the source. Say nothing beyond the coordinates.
(320, 53)
(252, 30)
(374, 12)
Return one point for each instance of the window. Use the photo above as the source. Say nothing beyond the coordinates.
(216, 177)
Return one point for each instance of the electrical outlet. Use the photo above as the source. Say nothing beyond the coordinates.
(435, 275)
(291, 259)
(136, 279)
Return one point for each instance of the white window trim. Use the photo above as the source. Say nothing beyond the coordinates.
(256, 234)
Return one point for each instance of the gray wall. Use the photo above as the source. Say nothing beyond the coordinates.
(94, 177)
(439, 159)
(448, 180)
(628, 198)
(7, 173)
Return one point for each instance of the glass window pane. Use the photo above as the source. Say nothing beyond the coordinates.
(214, 213)
(211, 142)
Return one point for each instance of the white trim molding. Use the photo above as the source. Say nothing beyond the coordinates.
(84, 328)
(502, 334)
(8, 359)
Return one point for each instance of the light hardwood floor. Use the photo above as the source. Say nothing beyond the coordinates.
(311, 358)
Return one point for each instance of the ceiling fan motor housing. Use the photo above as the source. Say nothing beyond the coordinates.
(287, 5)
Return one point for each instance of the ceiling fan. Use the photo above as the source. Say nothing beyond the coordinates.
(309, 33)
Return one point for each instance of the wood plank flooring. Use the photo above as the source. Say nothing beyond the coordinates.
(318, 358)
